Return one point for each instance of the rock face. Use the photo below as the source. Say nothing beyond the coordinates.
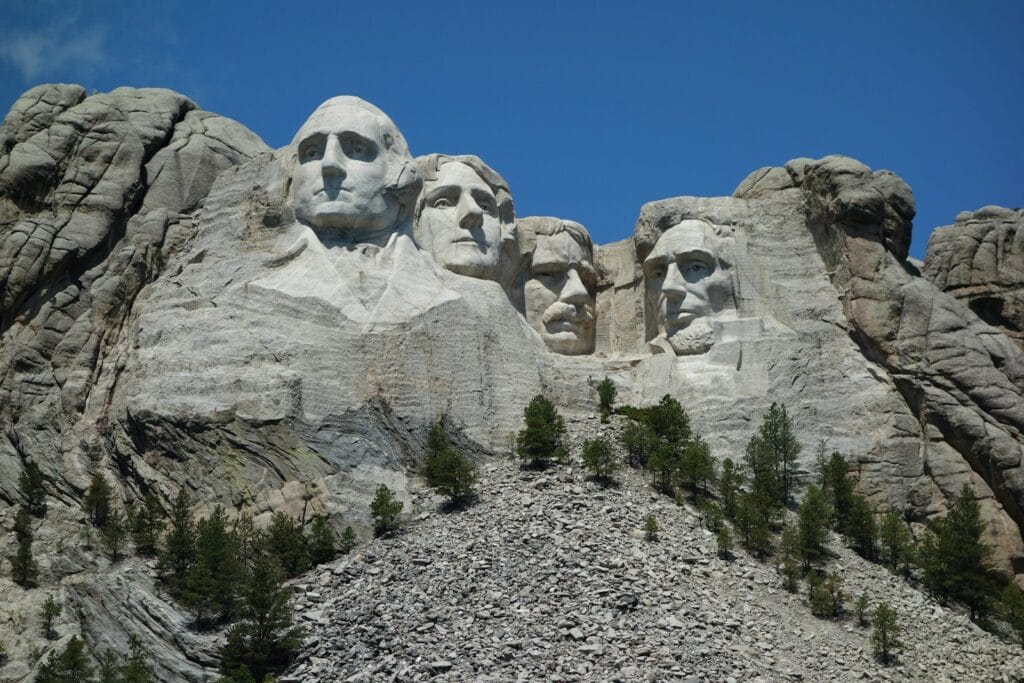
(183, 307)
(980, 261)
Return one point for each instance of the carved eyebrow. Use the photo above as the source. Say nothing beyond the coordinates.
(443, 190)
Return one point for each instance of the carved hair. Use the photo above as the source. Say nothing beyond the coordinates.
(549, 227)
(430, 165)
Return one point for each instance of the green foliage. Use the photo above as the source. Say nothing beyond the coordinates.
(860, 528)
(664, 464)
(69, 666)
(212, 579)
(790, 574)
(599, 459)
(651, 528)
(670, 423)
(265, 640)
(49, 612)
(348, 541)
(179, 546)
(724, 540)
(125, 669)
(771, 456)
(24, 570)
(955, 559)
(541, 438)
(285, 540)
(753, 519)
(885, 637)
(1011, 609)
(323, 542)
(250, 542)
(97, 500)
(729, 485)
(113, 533)
(838, 488)
(813, 527)
(145, 524)
(862, 609)
(386, 511)
(31, 489)
(447, 470)
(639, 442)
(698, 467)
(606, 395)
(22, 524)
(711, 515)
(895, 539)
(826, 595)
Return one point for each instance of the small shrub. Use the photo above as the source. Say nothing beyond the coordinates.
(826, 595)
(862, 609)
(651, 528)
(599, 459)
(790, 574)
(606, 395)
(49, 612)
(322, 541)
(446, 470)
(886, 635)
(541, 438)
(348, 541)
(724, 542)
(386, 512)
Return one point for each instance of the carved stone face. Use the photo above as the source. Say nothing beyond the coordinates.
(459, 222)
(687, 285)
(339, 181)
(559, 294)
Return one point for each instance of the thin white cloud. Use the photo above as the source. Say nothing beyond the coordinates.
(56, 49)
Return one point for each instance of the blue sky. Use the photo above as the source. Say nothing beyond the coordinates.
(588, 113)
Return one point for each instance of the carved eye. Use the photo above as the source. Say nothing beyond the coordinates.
(358, 148)
(658, 273)
(442, 203)
(695, 270)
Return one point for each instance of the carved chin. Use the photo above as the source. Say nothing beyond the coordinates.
(568, 343)
(697, 337)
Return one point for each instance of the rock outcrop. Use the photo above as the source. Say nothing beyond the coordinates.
(171, 320)
(980, 261)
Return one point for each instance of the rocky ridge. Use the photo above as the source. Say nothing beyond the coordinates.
(548, 577)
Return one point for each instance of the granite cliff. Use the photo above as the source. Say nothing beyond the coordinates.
(182, 306)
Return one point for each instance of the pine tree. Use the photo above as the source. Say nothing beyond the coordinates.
(322, 541)
(179, 547)
(651, 528)
(285, 540)
(664, 464)
(1011, 609)
(826, 594)
(446, 470)
(97, 500)
(771, 456)
(639, 442)
(699, 465)
(348, 541)
(724, 539)
(862, 609)
(860, 529)
(113, 533)
(132, 668)
(813, 527)
(790, 574)
(386, 511)
(265, 640)
(31, 489)
(599, 458)
(49, 612)
(145, 524)
(886, 635)
(22, 524)
(895, 540)
(250, 542)
(729, 487)
(70, 666)
(606, 395)
(753, 519)
(670, 422)
(541, 438)
(213, 579)
(838, 489)
(24, 570)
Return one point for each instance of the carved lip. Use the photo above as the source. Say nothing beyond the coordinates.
(680, 319)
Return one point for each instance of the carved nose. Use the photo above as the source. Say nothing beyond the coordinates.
(470, 215)
(574, 291)
(674, 285)
(333, 162)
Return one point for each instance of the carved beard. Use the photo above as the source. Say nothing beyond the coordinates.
(697, 337)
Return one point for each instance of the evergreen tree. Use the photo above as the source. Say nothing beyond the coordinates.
(664, 464)
(322, 543)
(213, 579)
(724, 540)
(838, 489)
(348, 540)
(698, 465)
(179, 547)
(813, 527)
(639, 442)
(145, 524)
(113, 533)
(1011, 609)
(125, 669)
(31, 489)
(886, 635)
(826, 594)
(49, 612)
(541, 438)
(711, 516)
(895, 540)
(729, 485)
(447, 470)
(22, 524)
(955, 559)
(24, 570)
(250, 542)
(606, 395)
(599, 459)
(265, 640)
(651, 528)
(670, 423)
(790, 574)
(862, 609)
(285, 540)
(860, 529)
(97, 500)
(70, 666)
(386, 511)
(753, 519)
(772, 456)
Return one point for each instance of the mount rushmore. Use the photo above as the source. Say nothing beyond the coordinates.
(277, 329)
